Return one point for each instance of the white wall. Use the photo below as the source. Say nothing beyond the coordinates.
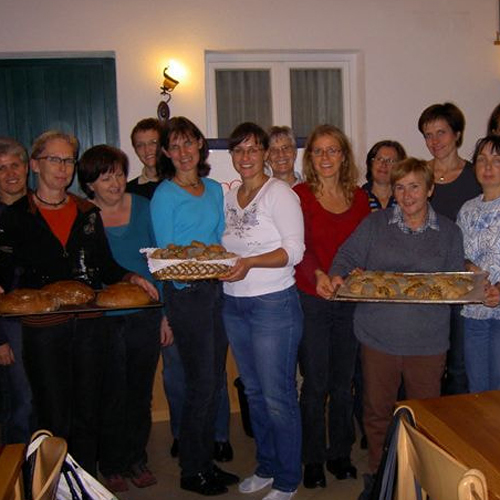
(415, 52)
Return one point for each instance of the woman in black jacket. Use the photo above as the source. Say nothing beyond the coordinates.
(54, 235)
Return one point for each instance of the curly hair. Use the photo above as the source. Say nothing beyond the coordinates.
(348, 175)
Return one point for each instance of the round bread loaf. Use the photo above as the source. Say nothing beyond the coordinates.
(122, 294)
(28, 301)
(70, 293)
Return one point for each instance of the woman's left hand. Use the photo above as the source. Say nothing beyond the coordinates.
(238, 271)
(146, 285)
(492, 295)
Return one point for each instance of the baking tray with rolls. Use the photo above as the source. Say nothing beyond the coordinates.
(418, 288)
(73, 297)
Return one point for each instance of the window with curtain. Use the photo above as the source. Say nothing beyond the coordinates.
(299, 89)
(73, 94)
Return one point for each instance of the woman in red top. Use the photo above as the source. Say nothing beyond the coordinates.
(333, 206)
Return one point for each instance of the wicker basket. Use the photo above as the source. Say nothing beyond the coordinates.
(192, 270)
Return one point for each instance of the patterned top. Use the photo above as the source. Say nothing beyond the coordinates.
(480, 224)
(272, 220)
(430, 221)
(374, 201)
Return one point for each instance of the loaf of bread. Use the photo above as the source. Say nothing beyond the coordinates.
(28, 301)
(122, 294)
(71, 293)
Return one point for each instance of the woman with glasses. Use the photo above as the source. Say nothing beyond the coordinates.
(442, 126)
(333, 206)
(188, 206)
(282, 155)
(379, 162)
(262, 310)
(55, 235)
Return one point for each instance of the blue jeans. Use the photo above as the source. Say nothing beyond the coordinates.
(327, 357)
(482, 354)
(16, 421)
(174, 385)
(264, 333)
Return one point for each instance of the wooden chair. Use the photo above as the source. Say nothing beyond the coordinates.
(424, 466)
(47, 471)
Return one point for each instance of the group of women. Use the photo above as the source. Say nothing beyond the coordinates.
(92, 376)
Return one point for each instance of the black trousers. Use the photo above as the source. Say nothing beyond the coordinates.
(64, 364)
(130, 367)
(195, 315)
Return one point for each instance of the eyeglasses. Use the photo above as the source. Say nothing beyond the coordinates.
(251, 151)
(144, 145)
(384, 161)
(55, 160)
(285, 150)
(330, 152)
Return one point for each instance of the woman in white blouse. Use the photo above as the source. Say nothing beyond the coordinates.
(262, 313)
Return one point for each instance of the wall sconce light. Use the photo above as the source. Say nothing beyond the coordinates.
(168, 86)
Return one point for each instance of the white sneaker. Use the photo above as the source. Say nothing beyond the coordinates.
(254, 483)
(279, 495)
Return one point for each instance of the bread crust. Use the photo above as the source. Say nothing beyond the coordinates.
(123, 294)
(28, 301)
(70, 293)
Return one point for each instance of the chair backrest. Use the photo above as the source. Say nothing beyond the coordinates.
(424, 465)
(47, 471)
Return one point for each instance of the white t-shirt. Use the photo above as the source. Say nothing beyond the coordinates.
(272, 220)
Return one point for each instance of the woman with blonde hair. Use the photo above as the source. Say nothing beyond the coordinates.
(332, 206)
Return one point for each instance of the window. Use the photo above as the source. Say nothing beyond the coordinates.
(299, 89)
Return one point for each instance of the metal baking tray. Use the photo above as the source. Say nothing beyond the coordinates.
(475, 296)
(91, 307)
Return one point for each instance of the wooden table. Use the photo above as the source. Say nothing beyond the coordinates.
(467, 427)
(11, 481)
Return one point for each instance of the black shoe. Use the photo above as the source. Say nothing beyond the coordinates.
(174, 450)
(223, 451)
(342, 468)
(203, 483)
(223, 477)
(314, 476)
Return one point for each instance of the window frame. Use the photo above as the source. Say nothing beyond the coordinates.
(279, 63)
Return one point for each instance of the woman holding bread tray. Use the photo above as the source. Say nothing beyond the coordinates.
(399, 341)
(54, 235)
(135, 342)
(188, 206)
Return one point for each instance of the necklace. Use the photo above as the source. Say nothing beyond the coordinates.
(187, 184)
(48, 202)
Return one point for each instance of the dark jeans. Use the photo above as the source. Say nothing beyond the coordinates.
(131, 362)
(195, 315)
(174, 385)
(64, 364)
(455, 376)
(327, 357)
(16, 419)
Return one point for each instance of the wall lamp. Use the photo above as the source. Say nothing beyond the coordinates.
(168, 86)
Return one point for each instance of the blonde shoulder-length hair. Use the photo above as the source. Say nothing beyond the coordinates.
(348, 175)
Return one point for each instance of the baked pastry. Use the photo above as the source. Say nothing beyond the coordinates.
(122, 294)
(196, 250)
(28, 301)
(71, 293)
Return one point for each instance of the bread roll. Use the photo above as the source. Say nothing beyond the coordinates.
(28, 301)
(70, 293)
(122, 294)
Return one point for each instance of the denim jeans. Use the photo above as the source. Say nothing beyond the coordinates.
(64, 364)
(16, 419)
(195, 315)
(130, 366)
(174, 386)
(327, 358)
(264, 333)
(482, 354)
